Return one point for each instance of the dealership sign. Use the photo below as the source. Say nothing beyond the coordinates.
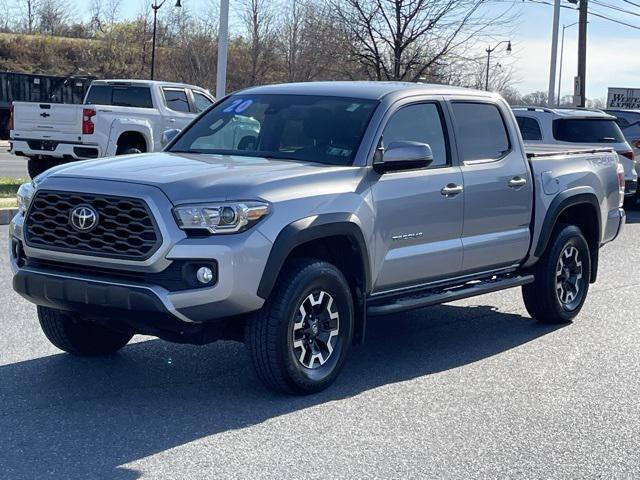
(624, 98)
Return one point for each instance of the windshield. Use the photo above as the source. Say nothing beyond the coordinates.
(582, 130)
(298, 127)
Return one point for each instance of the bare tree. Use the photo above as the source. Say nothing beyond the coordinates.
(538, 99)
(312, 43)
(104, 13)
(54, 16)
(408, 39)
(259, 19)
(28, 11)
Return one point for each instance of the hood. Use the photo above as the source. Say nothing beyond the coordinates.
(186, 178)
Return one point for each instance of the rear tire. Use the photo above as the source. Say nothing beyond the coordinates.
(128, 151)
(562, 278)
(299, 340)
(79, 337)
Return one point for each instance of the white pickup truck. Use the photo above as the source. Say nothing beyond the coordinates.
(118, 117)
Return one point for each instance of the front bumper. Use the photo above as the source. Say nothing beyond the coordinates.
(128, 289)
(55, 149)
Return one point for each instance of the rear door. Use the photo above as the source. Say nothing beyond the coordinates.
(418, 223)
(498, 189)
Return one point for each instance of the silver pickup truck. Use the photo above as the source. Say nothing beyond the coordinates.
(343, 201)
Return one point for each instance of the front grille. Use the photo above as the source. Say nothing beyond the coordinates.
(125, 227)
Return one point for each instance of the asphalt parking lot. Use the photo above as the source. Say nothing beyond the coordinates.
(10, 165)
(473, 389)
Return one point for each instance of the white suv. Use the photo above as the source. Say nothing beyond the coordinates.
(579, 127)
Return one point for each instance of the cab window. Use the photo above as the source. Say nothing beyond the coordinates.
(419, 123)
(176, 99)
(482, 133)
(201, 102)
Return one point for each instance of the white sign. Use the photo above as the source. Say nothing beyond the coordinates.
(624, 98)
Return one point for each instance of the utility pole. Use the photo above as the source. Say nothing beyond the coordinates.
(223, 43)
(581, 80)
(554, 54)
(489, 51)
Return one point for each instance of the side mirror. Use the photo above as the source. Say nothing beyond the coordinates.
(168, 135)
(404, 155)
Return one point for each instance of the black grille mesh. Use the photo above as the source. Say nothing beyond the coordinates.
(125, 226)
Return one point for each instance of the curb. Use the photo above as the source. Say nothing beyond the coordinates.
(7, 214)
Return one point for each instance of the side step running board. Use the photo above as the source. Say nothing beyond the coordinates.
(437, 296)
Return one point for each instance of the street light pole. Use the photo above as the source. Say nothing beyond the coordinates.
(155, 8)
(564, 27)
(489, 51)
(223, 43)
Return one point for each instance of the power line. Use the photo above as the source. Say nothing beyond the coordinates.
(631, 3)
(591, 12)
(615, 7)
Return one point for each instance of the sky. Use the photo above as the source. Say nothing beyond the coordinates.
(612, 49)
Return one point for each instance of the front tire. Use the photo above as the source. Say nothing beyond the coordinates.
(562, 277)
(299, 340)
(79, 337)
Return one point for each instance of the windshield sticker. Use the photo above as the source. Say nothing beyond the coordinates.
(338, 152)
(238, 106)
(243, 106)
(233, 106)
(353, 107)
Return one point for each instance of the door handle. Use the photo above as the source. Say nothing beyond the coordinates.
(517, 182)
(451, 189)
(172, 120)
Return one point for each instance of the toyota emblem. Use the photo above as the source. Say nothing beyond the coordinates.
(83, 218)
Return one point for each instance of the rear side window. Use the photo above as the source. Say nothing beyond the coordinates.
(587, 130)
(529, 128)
(481, 130)
(99, 95)
(121, 96)
(419, 123)
(176, 100)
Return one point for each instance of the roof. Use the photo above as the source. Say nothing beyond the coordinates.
(567, 112)
(144, 82)
(361, 89)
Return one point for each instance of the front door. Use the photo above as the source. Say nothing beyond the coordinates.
(419, 212)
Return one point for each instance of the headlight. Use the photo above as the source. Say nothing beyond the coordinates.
(24, 197)
(222, 217)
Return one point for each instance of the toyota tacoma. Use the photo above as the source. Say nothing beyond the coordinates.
(285, 216)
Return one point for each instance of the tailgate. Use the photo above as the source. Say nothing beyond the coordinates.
(58, 118)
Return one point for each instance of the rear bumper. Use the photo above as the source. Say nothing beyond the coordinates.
(55, 149)
(616, 221)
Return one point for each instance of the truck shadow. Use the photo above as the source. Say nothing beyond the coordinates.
(66, 417)
(633, 214)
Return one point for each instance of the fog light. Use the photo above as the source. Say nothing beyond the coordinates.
(204, 275)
